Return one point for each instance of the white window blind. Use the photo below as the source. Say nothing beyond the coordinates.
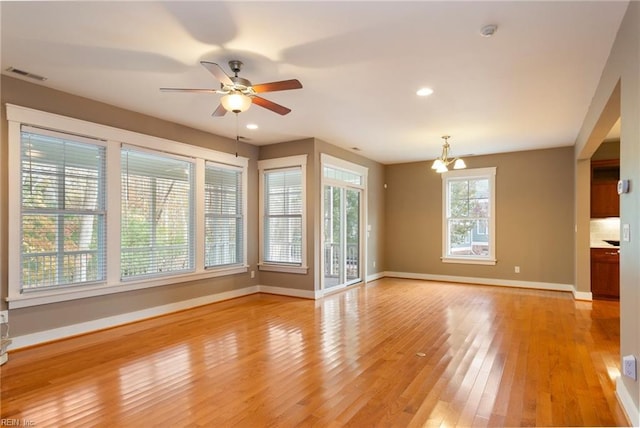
(283, 216)
(223, 216)
(63, 225)
(157, 219)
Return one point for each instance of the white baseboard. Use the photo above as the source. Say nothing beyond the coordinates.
(375, 276)
(305, 294)
(487, 281)
(108, 322)
(582, 295)
(627, 403)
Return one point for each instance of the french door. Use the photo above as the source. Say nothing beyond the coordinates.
(342, 225)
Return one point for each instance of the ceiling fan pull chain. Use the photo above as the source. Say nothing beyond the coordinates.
(237, 135)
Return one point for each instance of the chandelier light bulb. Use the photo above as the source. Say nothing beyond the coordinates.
(459, 164)
(442, 168)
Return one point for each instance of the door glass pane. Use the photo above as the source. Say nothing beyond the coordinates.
(353, 234)
(332, 236)
(341, 236)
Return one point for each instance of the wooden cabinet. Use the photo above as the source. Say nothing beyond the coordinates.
(605, 201)
(605, 273)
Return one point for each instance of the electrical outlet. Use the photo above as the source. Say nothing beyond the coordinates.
(4, 316)
(626, 233)
(516, 269)
(629, 367)
(253, 274)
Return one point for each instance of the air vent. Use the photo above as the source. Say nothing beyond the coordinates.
(26, 74)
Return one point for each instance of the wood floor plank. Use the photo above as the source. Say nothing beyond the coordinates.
(392, 353)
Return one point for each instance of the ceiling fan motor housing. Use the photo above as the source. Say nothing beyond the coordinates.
(235, 66)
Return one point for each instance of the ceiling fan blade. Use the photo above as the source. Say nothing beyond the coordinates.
(270, 105)
(283, 85)
(220, 111)
(218, 72)
(188, 90)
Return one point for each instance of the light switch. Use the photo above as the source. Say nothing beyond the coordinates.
(626, 233)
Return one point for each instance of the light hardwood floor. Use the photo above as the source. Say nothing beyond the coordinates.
(392, 353)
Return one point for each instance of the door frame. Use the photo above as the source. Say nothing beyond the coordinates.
(359, 170)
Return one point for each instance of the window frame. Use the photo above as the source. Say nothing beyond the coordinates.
(488, 173)
(289, 162)
(114, 139)
(331, 169)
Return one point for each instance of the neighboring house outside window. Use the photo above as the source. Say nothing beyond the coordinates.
(283, 214)
(469, 216)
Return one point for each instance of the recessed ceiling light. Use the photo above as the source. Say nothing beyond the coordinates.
(252, 126)
(423, 92)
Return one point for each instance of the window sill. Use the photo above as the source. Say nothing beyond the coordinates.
(301, 270)
(468, 261)
(43, 297)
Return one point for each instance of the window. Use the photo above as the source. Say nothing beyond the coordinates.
(63, 224)
(283, 216)
(157, 220)
(96, 210)
(224, 221)
(469, 216)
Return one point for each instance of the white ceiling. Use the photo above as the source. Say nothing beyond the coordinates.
(529, 86)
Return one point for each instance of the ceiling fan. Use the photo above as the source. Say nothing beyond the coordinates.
(238, 93)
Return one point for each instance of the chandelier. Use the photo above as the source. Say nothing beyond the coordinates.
(442, 163)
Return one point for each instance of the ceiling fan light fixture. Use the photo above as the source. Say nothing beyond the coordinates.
(235, 102)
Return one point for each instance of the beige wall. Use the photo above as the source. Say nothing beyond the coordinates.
(607, 150)
(534, 218)
(618, 95)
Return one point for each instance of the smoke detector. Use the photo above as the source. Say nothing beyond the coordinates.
(488, 30)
